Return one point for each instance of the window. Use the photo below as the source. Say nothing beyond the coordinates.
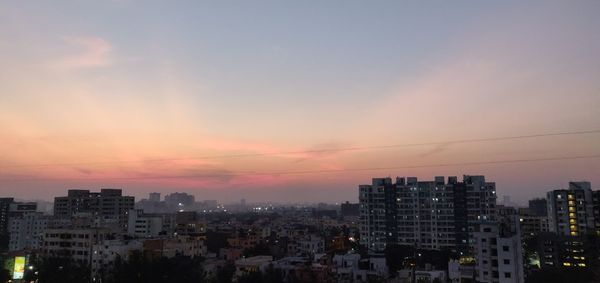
(505, 248)
(506, 274)
(507, 261)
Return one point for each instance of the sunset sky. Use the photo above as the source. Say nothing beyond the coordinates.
(135, 94)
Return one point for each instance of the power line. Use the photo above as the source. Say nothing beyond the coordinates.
(326, 150)
(302, 172)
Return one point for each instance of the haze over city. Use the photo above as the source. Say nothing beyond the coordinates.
(296, 101)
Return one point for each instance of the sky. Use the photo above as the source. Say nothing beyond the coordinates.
(239, 99)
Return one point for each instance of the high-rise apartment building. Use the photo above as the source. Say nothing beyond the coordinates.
(424, 214)
(571, 211)
(108, 207)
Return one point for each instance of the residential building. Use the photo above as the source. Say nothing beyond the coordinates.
(75, 244)
(251, 264)
(145, 225)
(154, 197)
(562, 251)
(425, 214)
(498, 254)
(26, 231)
(191, 246)
(109, 207)
(179, 201)
(532, 223)
(350, 209)
(571, 211)
(4, 234)
(538, 207)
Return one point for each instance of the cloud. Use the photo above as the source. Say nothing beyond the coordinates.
(92, 52)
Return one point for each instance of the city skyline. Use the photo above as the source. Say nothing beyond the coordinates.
(116, 94)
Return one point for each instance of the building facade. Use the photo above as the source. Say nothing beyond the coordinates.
(498, 254)
(571, 211)
(108, 207)
(26, 231)
(424, 214)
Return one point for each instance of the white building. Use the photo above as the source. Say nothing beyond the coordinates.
(26, 231)
(310, 245)
(251, 264)
(347, 269)
(143, 225)
(498, 254)
(73, 243)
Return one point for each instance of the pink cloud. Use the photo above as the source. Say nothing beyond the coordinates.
(321, 151)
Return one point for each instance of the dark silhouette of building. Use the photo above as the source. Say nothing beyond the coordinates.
(538, 207)
(350, 209)
(108, 206)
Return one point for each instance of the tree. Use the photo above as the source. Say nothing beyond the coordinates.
(140, 268)
(4, 274)
(224, 274)
(62, 270)
(215, 241)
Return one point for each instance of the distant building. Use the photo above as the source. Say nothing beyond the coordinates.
(251, 264)
(429, 215)
(179, 201)
(145, 225)
(538, 207)
(191, 246)
(154, 197)
(532, 224)
(109, 206)
(350, 209)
